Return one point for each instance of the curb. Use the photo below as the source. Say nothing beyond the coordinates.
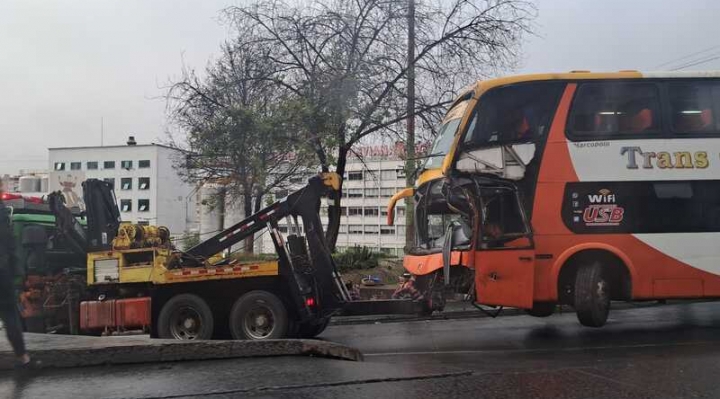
(170, 351)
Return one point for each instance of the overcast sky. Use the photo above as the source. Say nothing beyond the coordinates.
(64, 65)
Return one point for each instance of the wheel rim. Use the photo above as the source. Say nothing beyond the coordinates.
(259, 321)
(186, 323)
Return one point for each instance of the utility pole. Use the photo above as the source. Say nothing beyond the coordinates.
(410, 162)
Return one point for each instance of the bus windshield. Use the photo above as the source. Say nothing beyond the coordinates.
(446, 134)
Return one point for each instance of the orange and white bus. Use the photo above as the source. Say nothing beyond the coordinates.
(576, 188)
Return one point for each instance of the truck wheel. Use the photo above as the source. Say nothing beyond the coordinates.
(312, 330)
(187, 317)
(592, 296)
(258, 315)
(541, 309)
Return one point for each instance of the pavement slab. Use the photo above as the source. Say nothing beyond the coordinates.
(78, 351)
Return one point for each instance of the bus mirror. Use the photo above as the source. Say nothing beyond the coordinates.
(404, 193)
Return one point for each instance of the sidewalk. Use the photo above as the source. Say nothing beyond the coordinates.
(79, 351)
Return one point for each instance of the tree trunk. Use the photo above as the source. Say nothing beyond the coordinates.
(258, 203)
(334, 215)
(248, 210)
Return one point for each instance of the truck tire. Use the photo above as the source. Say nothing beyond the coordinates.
(259, 315)
(592, 296)
(312, 330)
(541, 309)
(186, 317)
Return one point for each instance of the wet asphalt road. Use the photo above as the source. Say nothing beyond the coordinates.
(657, 352)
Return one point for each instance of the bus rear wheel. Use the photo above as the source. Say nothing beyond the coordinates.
(592, 295)
(259, 315)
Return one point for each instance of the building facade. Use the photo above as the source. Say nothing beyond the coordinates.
(148, 188)
(368, 184)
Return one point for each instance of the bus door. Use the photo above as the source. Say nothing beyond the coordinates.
(504, 261)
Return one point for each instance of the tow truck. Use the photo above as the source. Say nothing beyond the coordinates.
(136, 280)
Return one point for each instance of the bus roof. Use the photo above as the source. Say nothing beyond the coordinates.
(483, 85)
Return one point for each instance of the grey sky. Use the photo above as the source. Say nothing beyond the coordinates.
(65, 64)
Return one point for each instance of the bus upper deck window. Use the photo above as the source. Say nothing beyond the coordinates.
(513, 114)
(611, 107)
(692, 106)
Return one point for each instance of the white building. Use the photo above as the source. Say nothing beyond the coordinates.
(368, 185)
(147, 185)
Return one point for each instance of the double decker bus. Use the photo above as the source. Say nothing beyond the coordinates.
(575, 188)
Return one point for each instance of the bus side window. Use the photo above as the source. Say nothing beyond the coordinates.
(692, 107)
(615, 108)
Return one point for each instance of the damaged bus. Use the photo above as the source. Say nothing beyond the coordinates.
(576, 188)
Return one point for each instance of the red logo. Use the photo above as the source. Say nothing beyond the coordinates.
(603, 215)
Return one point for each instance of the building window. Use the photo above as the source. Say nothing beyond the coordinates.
(371, 211)
(75, 165)
(400, 173)
(387, 192)
(59, 165)
(372, 192)
(343, 211)
(144, 183)
(126, 164)
(126, 205)
(145, 163)
(126, 183)
(110, 180)
(355, 211)
(383, 212)
(372, 229)
(92, 165)
(386, 175)
(343, 229)
(143, 223)
(355, 229)
(387, 231)
(144, 205)
(109, 165)
(400, 211)
(355, 175)
(354, 192)
(283, 229)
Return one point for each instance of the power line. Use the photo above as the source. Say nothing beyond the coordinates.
(686, 56)
(697, 62)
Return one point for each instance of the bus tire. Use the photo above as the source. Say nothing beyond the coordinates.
(185, 317)
(592, 296)
(259, 315)
(312, 330)
(541, 309)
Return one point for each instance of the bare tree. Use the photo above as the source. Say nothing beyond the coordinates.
(344, 62)
(233, 125)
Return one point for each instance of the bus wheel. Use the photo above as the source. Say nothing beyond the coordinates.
(312, 330)
(186, 317)
(592, 296)
(258, 315)
(541, 309)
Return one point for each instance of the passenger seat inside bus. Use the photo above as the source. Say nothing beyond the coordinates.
(638, 122)
(693, 121)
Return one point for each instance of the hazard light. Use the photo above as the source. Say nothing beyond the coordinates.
(310, 301)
